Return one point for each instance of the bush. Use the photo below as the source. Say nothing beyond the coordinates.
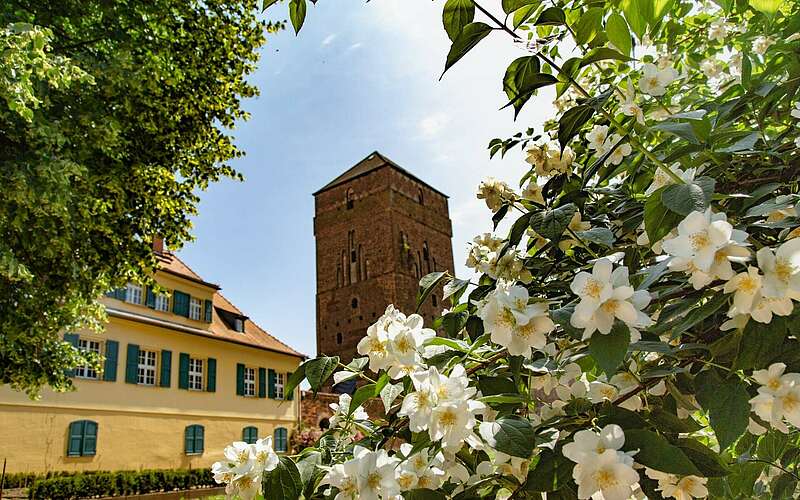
(102, 483)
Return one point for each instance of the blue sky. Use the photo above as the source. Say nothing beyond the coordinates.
(360, 77)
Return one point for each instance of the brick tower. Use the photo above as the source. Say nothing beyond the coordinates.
(378, 229)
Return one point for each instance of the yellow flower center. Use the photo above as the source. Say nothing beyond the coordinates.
(422, 399)
(605, 479)
(423, 482)
(507, 318)
(700, 241)
(374, 480)
(403, 345)
(608, 392)
(245, 482)
(419, 462)
(593, 289)
(774, 384)
(244, 455)
(610, 306)
(790, 402)
(783, 270)
(405, 481)
(748, 285)
(377, 347)
(448, 418)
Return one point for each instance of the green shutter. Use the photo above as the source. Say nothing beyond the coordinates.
(180, 303)
(262, 382)
(111, 293)
(208, 308)
(281, 435)
(151, 298)
(183, 371)
(132, 364)
(89, 438)
(273, 392)
(71, 338)
(188, 439)
(110, 365)
(288, 395)
(250, 434)
(166, 368)
(239, 379)
(75, 440)
(211, 378)
(121, 293)
(199, 438)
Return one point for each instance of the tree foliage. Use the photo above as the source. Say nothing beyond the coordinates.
(113, 116)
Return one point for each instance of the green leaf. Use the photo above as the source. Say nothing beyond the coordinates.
(517, 74)
(389, 394)
(490, 386)
(424, 494)
(307, 464)
(609, 350)
(589, 25)
(704, 458)
(636, 16)
(682, 130)
(283, 482)
(456, 15)
(551, 224)
(684, 199)
(699, 313)
(669, 422)
(658, 219)
(297, 14)
(428, 284)
(469, 37)
(618, 33)
(553, 472)
(602, 54)
(268, 3)
(727, 404)
(455, 288)
(319, 370)
(519, 228)
(510, 6)
(767, 7)
(761, 344)
(514, 436)
(361, 395)
(551, 16)
(572, 121)
(522, 15)
(600, 235)
(657, 453)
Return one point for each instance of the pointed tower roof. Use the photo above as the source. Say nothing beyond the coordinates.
(371, 163)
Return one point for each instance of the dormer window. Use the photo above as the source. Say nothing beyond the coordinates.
(133, 294)
(238, 324)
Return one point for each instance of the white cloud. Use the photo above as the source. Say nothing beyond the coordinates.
(354, 46)
(329, 39)
(432, 124)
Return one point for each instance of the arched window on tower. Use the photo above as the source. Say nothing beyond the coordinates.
(349, 198)
(426, 256)
(420, 197)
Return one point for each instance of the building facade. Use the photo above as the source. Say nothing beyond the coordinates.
(185, 374)
(378, 230)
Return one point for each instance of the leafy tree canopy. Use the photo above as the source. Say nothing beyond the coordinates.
(113, 115)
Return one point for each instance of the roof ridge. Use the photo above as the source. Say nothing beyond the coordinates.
(276, 339)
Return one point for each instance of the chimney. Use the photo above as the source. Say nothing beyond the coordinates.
(158, 245)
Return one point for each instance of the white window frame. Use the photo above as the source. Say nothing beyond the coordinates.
(195, 308)
(249, 382)
(195, 374)
(88, 345)
(162, 302)
(147, 368)
(134, 294)
(279, 381)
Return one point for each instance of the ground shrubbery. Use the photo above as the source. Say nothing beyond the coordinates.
(103, 483)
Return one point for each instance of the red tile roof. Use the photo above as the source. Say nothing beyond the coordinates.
(253, 334)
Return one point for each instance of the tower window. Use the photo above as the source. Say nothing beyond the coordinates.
(433, 300)
(354, 303)
(420, 197)
(349, 199)
(339, 338)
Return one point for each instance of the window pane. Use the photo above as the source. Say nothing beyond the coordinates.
(134, 294)
(196, 374)
(249, 381)
(87, 346)
(146, 373)
(195, 307)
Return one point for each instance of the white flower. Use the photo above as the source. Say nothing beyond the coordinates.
(628, 106)
(513, 322)
(765, 307)
(745, 288)
(717, 30)
(244, 466)
(344, 477)
(661, 178)
(376, 474)
(420, 470)
(453, 423)
(796, 110)
(684, 488)
(495, 192)
(597, 138)
(761, 44)
(586, 445)
(599, 466)
(549, 160)
(654, 81)
(376, 344)
(576, 225)
(533, 192)
(701, 236)
(781, 270)
(342, 413)
(778, 397)
(620, 152)
(711, 68)
(606, 296)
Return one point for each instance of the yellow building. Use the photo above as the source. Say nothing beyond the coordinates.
(185, 374)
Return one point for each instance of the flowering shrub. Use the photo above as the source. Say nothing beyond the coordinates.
(635, 332)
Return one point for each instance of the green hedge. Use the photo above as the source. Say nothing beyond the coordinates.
(26, 479)
(101, 484)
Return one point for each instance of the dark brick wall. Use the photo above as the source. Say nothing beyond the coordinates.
(372, 253)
